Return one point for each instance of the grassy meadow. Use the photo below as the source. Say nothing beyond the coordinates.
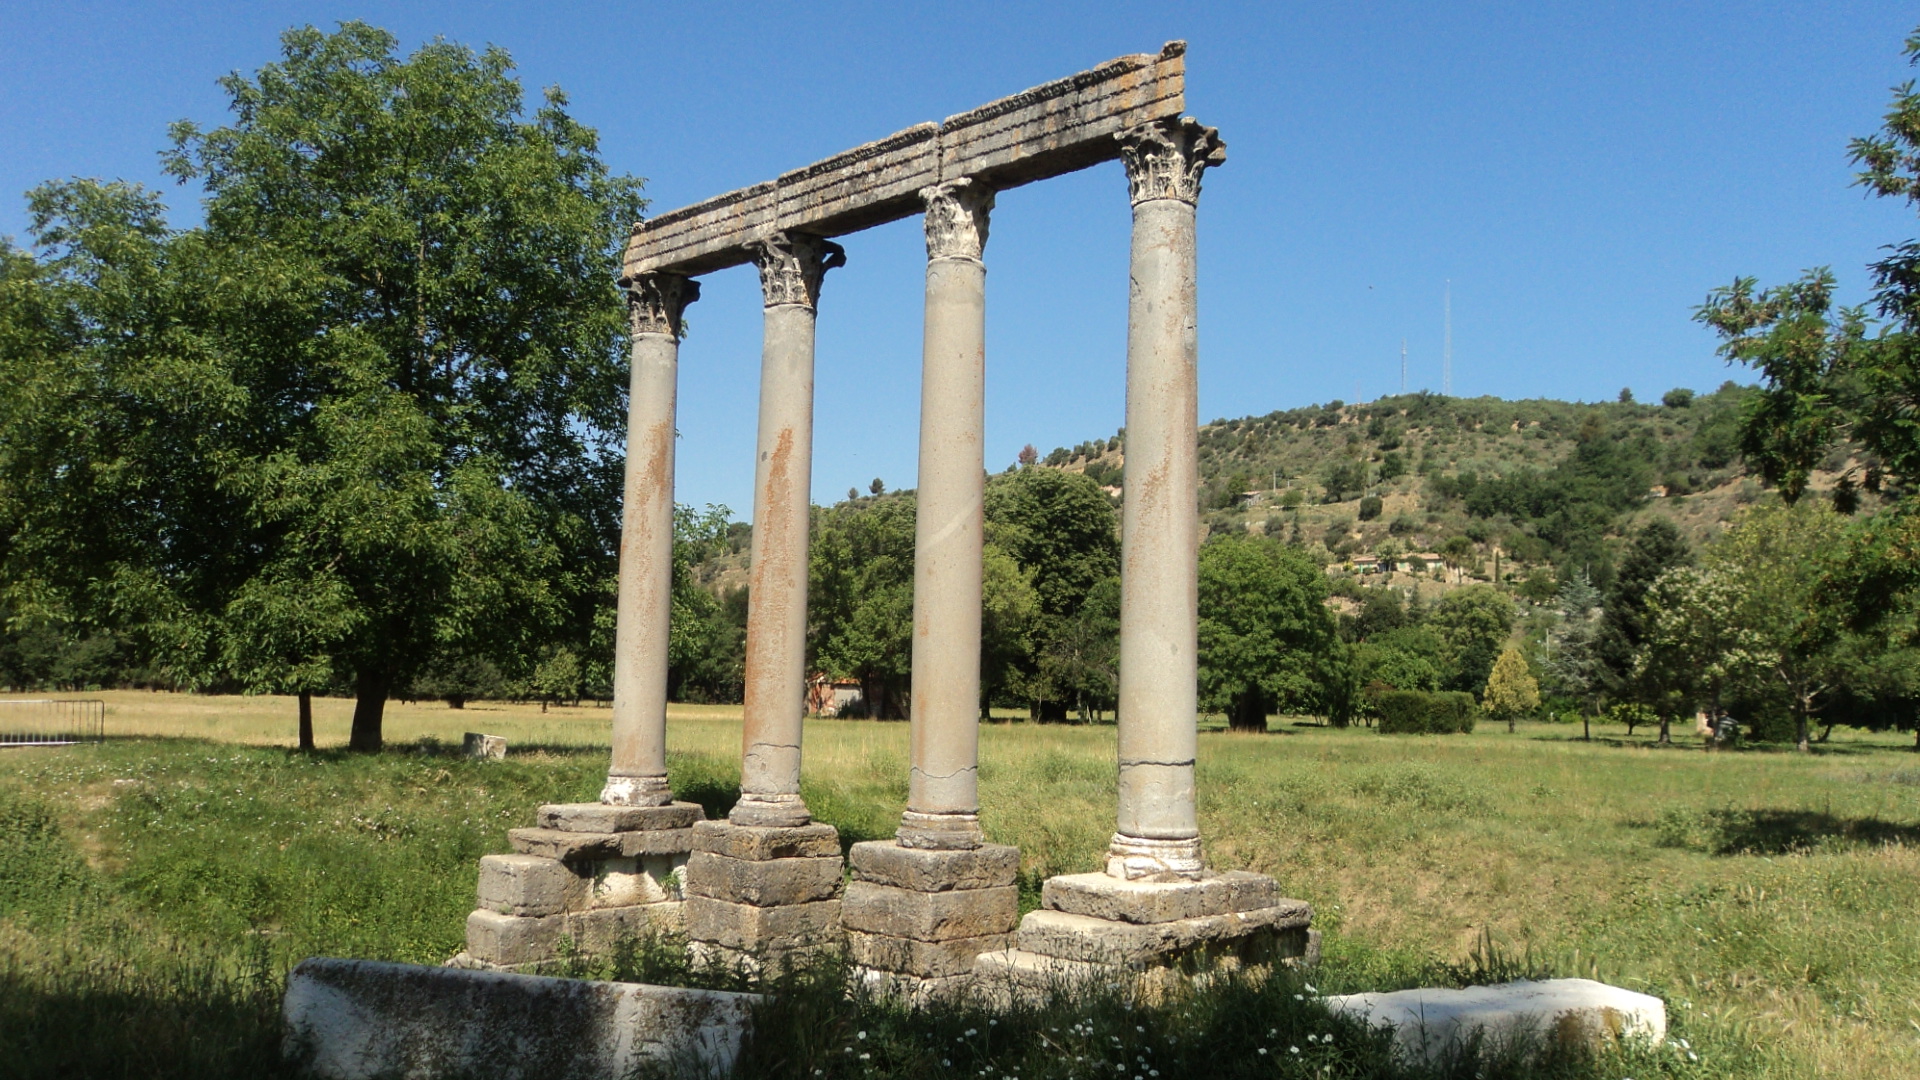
(154, 889)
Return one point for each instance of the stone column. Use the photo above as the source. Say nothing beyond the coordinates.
(1158, 831)
(921, 908)
(791, 268)
(595, 873)
(638, 774)
(763, 887)
(943, 789)
(1156, 912)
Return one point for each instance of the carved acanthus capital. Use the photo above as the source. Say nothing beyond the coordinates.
(1164, 159)
(957, 218)
(792, 265)
(656, 301)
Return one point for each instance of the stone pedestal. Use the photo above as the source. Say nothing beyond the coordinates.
(761, 897)
(917, 918)
(590, 874)
(1099, 927)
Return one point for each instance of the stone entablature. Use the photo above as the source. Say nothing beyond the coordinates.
(1056, 128)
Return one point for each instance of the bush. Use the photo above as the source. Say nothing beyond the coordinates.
(1370, 508)
(1415, 712)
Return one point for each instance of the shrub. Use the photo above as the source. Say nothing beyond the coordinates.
(1415, 712)
(1370, 507)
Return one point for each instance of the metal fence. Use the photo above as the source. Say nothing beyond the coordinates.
(49, 722)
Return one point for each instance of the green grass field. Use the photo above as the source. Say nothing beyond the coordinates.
(153, 890)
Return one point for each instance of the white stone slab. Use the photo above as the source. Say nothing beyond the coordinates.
(1428, 1021)
(361, 1019)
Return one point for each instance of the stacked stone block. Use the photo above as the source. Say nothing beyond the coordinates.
(762, 897)
(1096, 926)
(917, 918)
(590, 874)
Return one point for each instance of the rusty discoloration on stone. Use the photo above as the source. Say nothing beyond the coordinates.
(637, 774)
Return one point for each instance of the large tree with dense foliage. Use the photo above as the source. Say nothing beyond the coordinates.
(1266, 635)
(1061, 530)
(375, 400)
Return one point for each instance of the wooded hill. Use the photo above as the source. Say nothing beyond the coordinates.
(1543, 483)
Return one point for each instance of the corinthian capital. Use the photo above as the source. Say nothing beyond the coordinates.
(792, 265)
(1165, 159)
(655, 302)
(957, 218)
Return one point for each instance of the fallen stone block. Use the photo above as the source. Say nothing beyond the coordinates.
(1428, 1023)
(885, 862)
(362, 1019)
(530, 885)
(765, 883)
(931, 916)
(602, 818)
(1144, 900)
(483, 747)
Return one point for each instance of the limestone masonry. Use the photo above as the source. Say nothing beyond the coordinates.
(1057, 128)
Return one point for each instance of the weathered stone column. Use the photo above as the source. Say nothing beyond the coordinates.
(1156, 911)
(594, 873)
(1158, 831)
(922, 907)
(791, 268)
(943, 788)
(638, 774)
(763, 887)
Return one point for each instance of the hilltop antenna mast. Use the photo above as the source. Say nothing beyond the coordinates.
(1446, 355)
(1403, 365)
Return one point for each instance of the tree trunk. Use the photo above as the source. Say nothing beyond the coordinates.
(1800, 740)
(1665, 730)
(1586, 727)
(306, 720)
(1249, 712)
(369, 705)
(1510, 719)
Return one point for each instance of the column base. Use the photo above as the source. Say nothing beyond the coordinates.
(940, 832)
(589, 875)
(636, 791)
(1097, 927)
(1135, 857)
(761, 897)
(916, 918)
(770, 812)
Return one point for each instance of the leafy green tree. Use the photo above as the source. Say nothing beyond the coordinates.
(1061, 531)
(374, 403)
(1266, 634)
(1473, 623)
(1655, 549)
(860, 598)
(1511, 690)
(1750, 617)
(706, 643)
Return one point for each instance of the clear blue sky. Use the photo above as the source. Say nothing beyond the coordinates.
(1583, 173)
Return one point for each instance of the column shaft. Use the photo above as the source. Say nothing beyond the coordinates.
(638, 774)
(943, 800)
(1158, 829)
(790, 271)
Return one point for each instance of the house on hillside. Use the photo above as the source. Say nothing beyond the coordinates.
(1423, 562)
(1365, 564)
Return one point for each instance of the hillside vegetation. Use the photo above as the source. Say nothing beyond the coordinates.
(1545, 483)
